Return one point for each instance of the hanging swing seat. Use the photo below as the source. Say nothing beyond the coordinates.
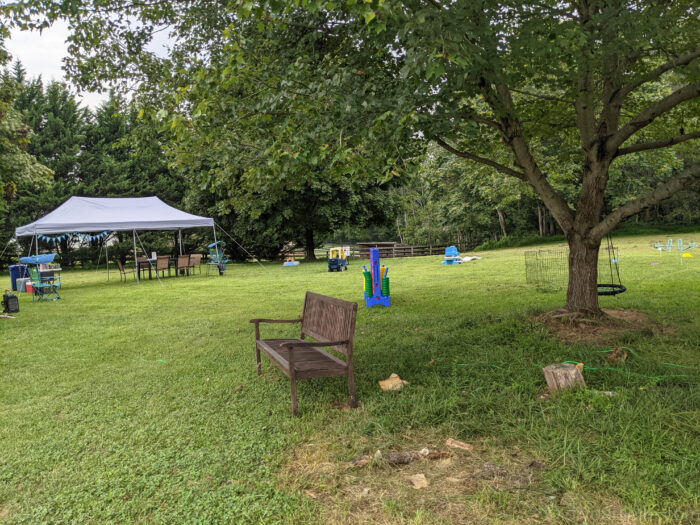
(612, 288)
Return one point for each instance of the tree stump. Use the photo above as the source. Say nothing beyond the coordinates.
(563, 377)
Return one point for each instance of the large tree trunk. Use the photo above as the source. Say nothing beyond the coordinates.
(582, 293)
(502, 222)
(309, 245)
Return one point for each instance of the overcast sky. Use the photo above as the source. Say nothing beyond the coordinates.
(42, 54)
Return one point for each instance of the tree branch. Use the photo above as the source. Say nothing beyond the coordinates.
(683, 60)
(585, 117)
(657, 144)
(480, 120)
(584, 110)
(481, 160)
(501, 103)
(647, 116)
(663, 191)
(544, 97)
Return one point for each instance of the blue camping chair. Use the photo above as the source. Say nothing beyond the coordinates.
(45, 282)
(217, 258)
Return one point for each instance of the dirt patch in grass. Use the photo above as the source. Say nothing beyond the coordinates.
(575, 328)
(479, 486)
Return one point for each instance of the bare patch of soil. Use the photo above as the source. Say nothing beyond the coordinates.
(577, 328)
(478, 486)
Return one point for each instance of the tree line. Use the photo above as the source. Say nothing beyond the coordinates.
(118, 150)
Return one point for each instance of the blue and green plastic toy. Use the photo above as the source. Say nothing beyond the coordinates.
(376, 282)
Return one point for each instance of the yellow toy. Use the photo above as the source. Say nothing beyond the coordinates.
(337, 261)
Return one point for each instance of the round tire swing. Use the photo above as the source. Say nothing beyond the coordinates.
(613, 287)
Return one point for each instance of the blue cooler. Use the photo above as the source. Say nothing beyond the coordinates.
(17, 271)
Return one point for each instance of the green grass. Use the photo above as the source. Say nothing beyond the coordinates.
(128, 403)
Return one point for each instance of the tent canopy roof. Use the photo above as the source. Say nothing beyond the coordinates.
(93, 214)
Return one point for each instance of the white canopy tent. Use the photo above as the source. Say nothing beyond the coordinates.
(94, 214)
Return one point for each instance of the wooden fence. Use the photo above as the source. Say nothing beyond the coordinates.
(398, 250)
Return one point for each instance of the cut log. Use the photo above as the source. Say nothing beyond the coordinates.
(563, 377)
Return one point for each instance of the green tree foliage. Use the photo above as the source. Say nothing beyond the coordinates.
(282, 171)
(18, 167)
(448, 200)
(111, 153)
(453, 200)
(58, 126)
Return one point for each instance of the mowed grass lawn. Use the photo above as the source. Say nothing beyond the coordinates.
(140, 403)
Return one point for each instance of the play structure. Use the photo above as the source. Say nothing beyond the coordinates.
(337, 260)
(376, 282)
(682, 248)
(548, 270)
(668, 247)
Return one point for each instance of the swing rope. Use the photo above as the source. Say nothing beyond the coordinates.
(612, 288)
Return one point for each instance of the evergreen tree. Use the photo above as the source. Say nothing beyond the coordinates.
(20, 172)
(58, 126)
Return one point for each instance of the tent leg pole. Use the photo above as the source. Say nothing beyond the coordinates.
(107, 257)
(179, 234)
(216, 248)
(136, 263)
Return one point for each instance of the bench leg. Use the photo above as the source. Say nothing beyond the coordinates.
(293, 388)
(351, 388)
(257, 358)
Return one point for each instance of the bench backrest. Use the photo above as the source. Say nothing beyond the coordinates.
(329, 319)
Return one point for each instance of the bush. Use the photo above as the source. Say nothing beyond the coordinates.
(514, 241)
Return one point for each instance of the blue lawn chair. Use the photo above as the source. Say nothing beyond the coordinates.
(217, 257)
(45, 283)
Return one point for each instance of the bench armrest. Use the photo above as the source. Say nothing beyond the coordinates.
(276, 321)
(256, 321)
(310, 344)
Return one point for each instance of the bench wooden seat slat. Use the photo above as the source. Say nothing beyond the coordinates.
(327, 320)
(305, 359)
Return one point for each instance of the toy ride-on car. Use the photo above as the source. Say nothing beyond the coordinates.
(337, 261)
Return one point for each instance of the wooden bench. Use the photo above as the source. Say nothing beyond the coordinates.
(331, 322)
